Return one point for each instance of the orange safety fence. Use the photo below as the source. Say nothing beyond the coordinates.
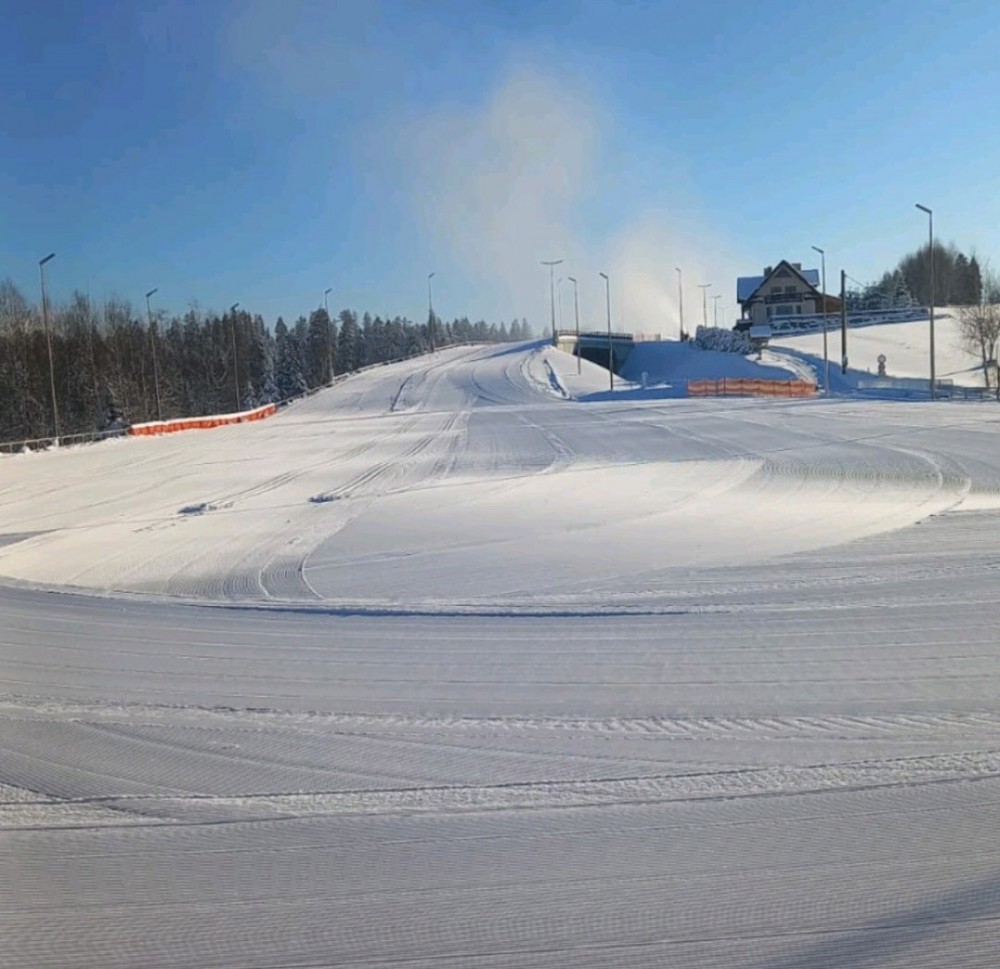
(741, 387)
(202, 423)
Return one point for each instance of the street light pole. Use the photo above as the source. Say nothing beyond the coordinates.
(430, 311)
(826, 357)
(236, 360)
(48, 341)
(329, 333)
(552, 290)
(611, 351)
(930, 254)
(576, 313)
(704, 302)
(152, 343)
(715, 309)
(680, 299)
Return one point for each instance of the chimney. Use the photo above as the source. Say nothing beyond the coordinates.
(797, 265)
(768, 270)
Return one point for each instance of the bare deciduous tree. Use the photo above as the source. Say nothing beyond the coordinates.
(980, 332)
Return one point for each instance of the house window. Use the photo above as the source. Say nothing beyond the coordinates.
(789, 289)
(784, 310)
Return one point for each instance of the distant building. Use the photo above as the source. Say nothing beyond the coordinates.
(783, 290)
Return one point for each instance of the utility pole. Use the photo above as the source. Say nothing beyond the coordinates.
(329, 333)
(704, 302)
(152, 343)
(576, 313)
(680, 299)
(843, 321)
(236, 359)
(611, 348)
(430, 310)
(826, 357)
(48, 341)
(715, 309)
(930, 254)
(552, 291)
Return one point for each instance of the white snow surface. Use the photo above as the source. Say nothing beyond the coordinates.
(906, 347)
(461, 663)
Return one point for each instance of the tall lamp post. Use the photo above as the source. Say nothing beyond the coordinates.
(930, 254)
(704, 302)
(430, 310)
(329, 332)
(552, 290)
(576, 314)
(611, 351)
(826, 357)
(715, 309)
(680, 298)
(48, 341)
(152, 343)
(236, 359)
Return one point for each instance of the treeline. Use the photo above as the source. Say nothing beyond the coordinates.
(112, 366)
(959, 280)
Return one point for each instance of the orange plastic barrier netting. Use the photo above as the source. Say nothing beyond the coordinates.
(730, 387)
(202, 423)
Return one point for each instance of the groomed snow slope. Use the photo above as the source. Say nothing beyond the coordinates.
(532, 683)
(906, 347)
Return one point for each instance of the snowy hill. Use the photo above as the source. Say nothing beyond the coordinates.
(906, 347)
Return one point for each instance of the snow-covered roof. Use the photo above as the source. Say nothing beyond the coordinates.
(747, 285)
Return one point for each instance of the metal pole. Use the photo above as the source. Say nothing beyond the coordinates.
(715, 309)
(48, 341)
(843, 321)
(430, 310)
(704, 302)
(329, 333)
(236, 360)
(576, 313)
(611, 349)
(680, 299)
(152, 343)
(826, 357)
(552, 290)
(930, 253)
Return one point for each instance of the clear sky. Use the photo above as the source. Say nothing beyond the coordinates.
(260, 152)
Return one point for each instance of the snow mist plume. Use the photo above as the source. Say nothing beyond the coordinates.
(500, 187)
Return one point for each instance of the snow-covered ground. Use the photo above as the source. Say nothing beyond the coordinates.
(906, 347)
(507, 674)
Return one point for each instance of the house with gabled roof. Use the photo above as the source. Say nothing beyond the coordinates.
(782, 290)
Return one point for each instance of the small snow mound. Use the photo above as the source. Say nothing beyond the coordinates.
(198, 509)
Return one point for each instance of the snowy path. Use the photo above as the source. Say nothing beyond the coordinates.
(540, 684)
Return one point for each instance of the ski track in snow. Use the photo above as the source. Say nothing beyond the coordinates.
(503, 679)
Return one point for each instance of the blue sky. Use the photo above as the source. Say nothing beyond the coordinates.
(260, 152)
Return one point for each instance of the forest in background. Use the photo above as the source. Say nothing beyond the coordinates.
(112, 366)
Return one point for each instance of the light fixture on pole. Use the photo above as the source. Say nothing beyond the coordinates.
(826, 356)
(680, 299)
(152, 343)
(236, 361)
(611, 350)
(48, 341)
(430, 311)
(576, 314)
(704, 302)
(552, 290)
(930, 255)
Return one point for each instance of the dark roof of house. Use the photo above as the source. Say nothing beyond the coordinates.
(746, 286)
